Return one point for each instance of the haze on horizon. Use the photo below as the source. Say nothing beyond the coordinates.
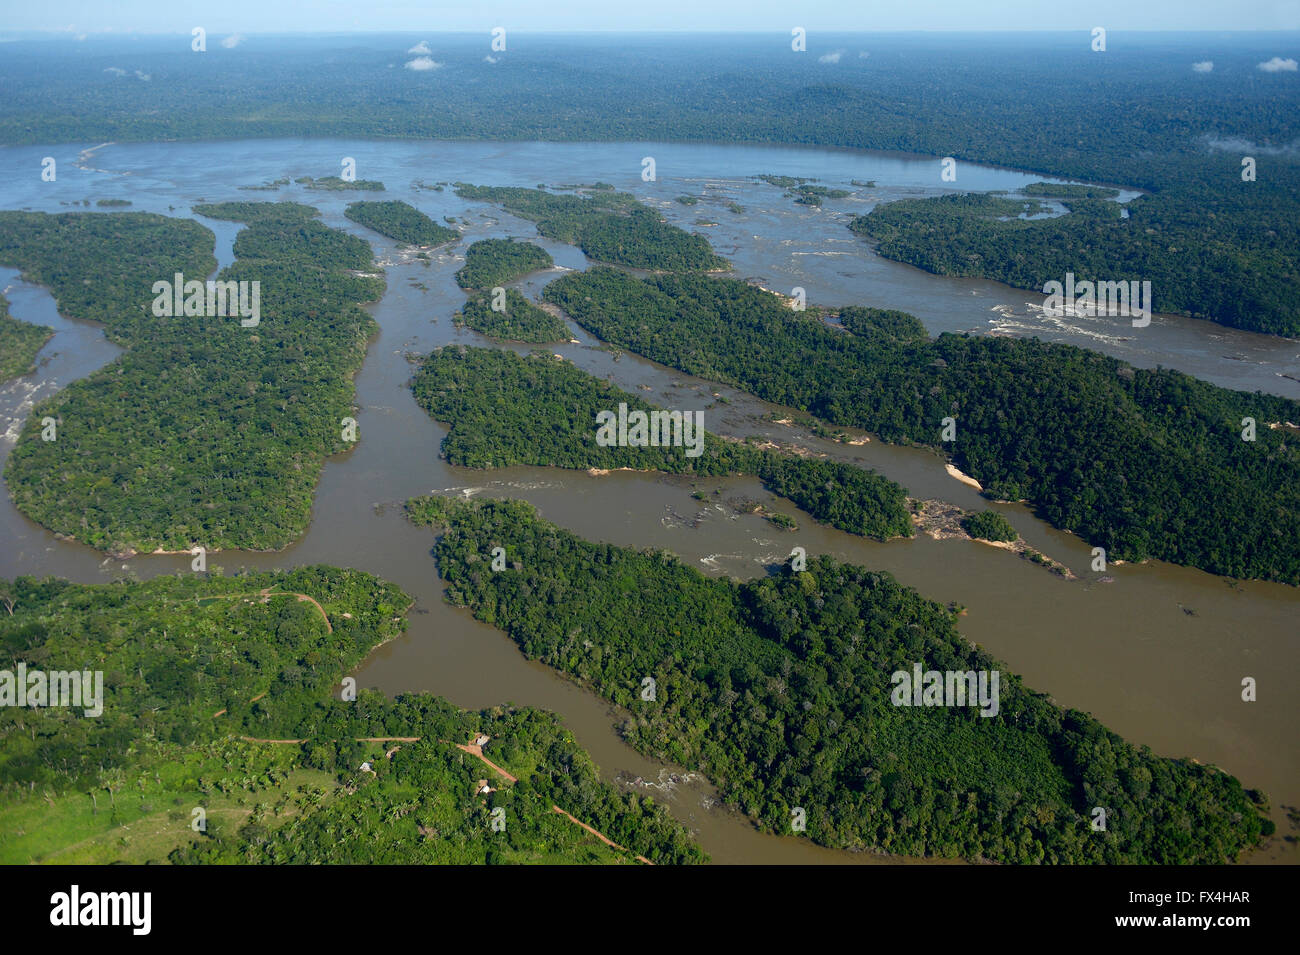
(85, 17)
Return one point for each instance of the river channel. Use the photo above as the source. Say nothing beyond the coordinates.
(1156, 652)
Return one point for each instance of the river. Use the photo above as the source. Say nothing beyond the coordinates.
(1156, 652)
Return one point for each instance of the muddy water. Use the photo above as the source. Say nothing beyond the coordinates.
(772, 239)
(1157, 653)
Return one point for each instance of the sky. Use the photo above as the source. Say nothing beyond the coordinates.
(330, 16)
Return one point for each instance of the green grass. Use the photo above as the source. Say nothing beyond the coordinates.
(150, 814)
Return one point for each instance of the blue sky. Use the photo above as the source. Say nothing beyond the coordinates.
(266, 16)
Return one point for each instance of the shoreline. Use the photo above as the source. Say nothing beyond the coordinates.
(954, 473)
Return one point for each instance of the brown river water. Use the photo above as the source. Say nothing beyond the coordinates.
(1156, 652)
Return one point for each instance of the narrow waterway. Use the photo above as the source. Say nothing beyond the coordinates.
(1155, 652)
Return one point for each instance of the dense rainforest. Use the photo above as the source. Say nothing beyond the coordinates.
(401, 221)
(419, 803)
(520, 321)
(338, 184)
(505, 410)
(989, 526)
(494, 262)
(608, 226)
(1147, 464)
(19, 343)
(1057, 190)
(200, 671)
(174, 651)
(1136, 115)
(204, 432)
(802, 191)
(780, 689)
(1195, 263)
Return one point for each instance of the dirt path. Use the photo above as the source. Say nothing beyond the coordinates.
(599, 835)
(259, 739)
(473, 750)
(359, 739)
(222, 711)
(329, 627)
(478, 751)
(268, 592)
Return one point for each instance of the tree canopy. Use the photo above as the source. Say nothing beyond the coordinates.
(780, 690)
(401, 221)
(505, 410)
(200, 672)
(1145, 463)
(19, 343)
(608, 226)
(204, 432)
(493, 262)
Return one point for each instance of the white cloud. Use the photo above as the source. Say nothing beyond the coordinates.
(490, 59)
(1245, 147)
(232, 41)
(144, 76)
(831, 57)
(422, 63)
(421, 47)
(1278, 65)
(115, 70)
(1205, 66)
(863, 55)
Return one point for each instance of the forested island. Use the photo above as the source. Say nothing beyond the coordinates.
(222, 695)
(1057, 190)
(339, 184)
(779, 690)
(401, 221)
(19, 343)
(505, 410)
(1196, 266)
(228, 425)
(494, 262)
(1230, 241)
(1146, 464)
(608, 226)
(802, 191)
(520, 321)
(227, 736)
(989, 526)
